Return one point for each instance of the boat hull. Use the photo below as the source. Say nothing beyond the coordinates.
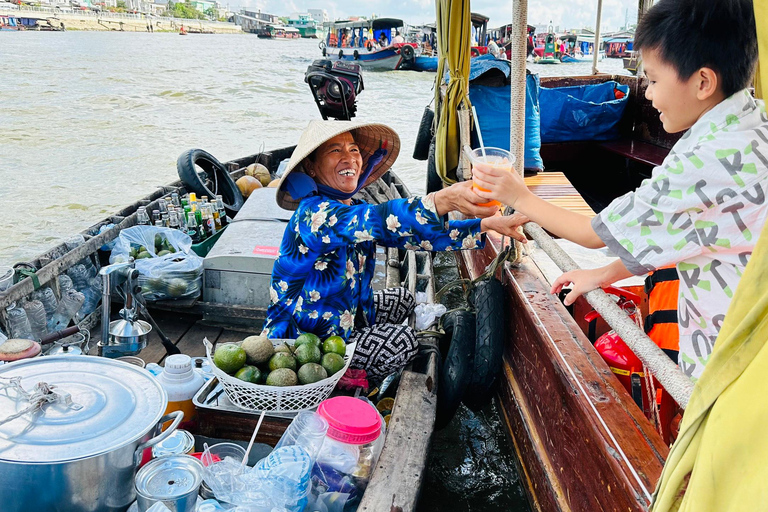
(582, 443)
(387, 59)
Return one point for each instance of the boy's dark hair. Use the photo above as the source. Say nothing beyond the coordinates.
(692, 34)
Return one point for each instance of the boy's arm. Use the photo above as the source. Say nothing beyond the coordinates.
(584, 281)
(510, 189)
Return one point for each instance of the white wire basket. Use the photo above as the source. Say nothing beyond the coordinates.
(259, 397)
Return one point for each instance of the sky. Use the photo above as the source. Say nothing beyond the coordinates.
(565, 13)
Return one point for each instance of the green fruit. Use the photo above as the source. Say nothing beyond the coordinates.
(283, 348)
(332, 363)
(229, 358)
(308, 353)
(133, 253)
(249, 374)
(159, 239)
(163, 253)
(143, 255)
(307, 337)
(282, 360)
(258, 349)
(312, 372)
(177, 287)
(282, 377)
(335, 345)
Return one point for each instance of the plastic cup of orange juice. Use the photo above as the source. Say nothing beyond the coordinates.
(489, 159)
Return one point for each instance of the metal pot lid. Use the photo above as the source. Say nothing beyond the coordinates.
(101, 405)
(169, 477)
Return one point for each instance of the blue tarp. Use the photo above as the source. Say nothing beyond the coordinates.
(493, 105)
(582, 112)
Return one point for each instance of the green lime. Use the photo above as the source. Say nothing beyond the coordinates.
(307, 337)
(308, 353)
(282, 360)
(335, 345)
(143, 255)
(283, 348)
(311, 372)
(229, 358)
(249, 374)
(332, 363)
(282, 377)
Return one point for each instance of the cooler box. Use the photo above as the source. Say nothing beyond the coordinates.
(237, 270)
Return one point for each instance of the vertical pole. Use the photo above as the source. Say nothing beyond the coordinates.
(596, 48)
(518, 48)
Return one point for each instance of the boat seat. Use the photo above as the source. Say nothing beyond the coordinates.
(636, 150)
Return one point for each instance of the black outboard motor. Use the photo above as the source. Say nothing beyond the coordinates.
(335, 86)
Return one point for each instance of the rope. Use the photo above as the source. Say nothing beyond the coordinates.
(42, 394)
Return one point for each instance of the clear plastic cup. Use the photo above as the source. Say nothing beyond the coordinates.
(488, 159)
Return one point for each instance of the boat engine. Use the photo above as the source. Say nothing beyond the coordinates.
(335, 86)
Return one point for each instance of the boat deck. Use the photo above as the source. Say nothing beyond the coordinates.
(555, 188)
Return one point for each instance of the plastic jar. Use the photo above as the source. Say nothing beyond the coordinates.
(352, 446)
(181, 383)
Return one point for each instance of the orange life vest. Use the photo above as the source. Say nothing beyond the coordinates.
(661, 287)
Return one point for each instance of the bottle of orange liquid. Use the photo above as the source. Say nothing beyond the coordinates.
(181, 383)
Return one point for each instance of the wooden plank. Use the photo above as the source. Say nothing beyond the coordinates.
(396, 481)
(192, 341)
(555, 188)
(556, 392)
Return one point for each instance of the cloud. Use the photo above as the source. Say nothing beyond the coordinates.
(568, 14)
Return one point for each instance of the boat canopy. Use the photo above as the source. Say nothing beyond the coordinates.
(376, 24)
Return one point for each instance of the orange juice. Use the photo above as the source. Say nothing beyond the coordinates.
(490, 159)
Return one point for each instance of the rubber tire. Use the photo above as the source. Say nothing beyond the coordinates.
(424, 135)
(456, 368)
(356, 55)
(434, 183)
(185, 165)
(407, 53)
(487, 298)
(474, 52)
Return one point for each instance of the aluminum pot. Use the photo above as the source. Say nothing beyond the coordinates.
(79, 451)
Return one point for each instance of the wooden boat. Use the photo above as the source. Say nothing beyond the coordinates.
(582, 443)
(357, 42)
(397, 478)
(278, 32)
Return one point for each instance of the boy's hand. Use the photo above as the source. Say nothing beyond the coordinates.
(506, 225)
(504, 186)
(583, 281)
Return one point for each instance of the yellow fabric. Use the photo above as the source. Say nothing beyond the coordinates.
(761, 20)
(454, 30)
(719, 462)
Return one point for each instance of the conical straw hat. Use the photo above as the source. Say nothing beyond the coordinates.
(369, 138)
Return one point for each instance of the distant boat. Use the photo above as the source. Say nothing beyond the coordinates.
(306, 25)
(631, 62)
(279, 32)
(367, 43)
(567, 58)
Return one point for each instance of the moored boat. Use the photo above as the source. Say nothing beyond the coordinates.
(271, 31)
(368, 43)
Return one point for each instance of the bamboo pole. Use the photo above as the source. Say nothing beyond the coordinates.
(596, 47)
(519, 34)
(677, 384)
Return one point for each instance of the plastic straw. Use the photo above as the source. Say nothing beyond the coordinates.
(479, 133)
(253, 438)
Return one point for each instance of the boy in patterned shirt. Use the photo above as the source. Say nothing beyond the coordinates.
(704, 206)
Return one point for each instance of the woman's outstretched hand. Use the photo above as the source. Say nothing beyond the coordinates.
(506, 225)
(461, 197)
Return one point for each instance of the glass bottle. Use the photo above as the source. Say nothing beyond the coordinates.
(173, 219)
(142, 218)
(222, 211)
(175, 199)
(162, 205)
(166, 218)
(192, 230)
(156, 217)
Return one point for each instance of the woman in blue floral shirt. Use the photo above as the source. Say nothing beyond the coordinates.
(321, 280)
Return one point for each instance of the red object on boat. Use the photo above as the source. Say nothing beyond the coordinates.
(15, 349)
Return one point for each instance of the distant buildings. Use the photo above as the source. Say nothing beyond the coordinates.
(253, 22)
(319, 15)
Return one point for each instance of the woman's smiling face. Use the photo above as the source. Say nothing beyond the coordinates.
(337, 163)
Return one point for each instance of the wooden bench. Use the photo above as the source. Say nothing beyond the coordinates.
(636, 150)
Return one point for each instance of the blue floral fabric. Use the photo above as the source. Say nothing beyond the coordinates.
(323, 271)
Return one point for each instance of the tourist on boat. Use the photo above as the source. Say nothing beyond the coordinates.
(383, 41)
(321, 280)
(705, 204)
(398, 39)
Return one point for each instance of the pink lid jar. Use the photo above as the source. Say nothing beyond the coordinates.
(351, 420)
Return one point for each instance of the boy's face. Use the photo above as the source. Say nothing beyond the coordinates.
(676, 100)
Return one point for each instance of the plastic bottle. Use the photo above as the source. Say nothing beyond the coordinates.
(37, 320)
(48, 299)
(65, 284)
(18, 323)
(75, 242)
(181, 383)
(71, 301)
(92, 294)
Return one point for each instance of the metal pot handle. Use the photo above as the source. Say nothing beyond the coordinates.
(176, 416)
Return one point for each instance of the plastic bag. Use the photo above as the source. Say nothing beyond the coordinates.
(427, 315)
(168, 267)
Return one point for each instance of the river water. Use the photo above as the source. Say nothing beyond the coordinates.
(91, 121)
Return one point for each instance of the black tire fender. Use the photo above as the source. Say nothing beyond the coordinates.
(407, 52)
(357, 55)
(456, 368)
(325, 52)
(369, 45)
(341, 54)
(424, 135)
(487, 297)
(474, 52)
(321, 45)
(434, 182)
(185, 165)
